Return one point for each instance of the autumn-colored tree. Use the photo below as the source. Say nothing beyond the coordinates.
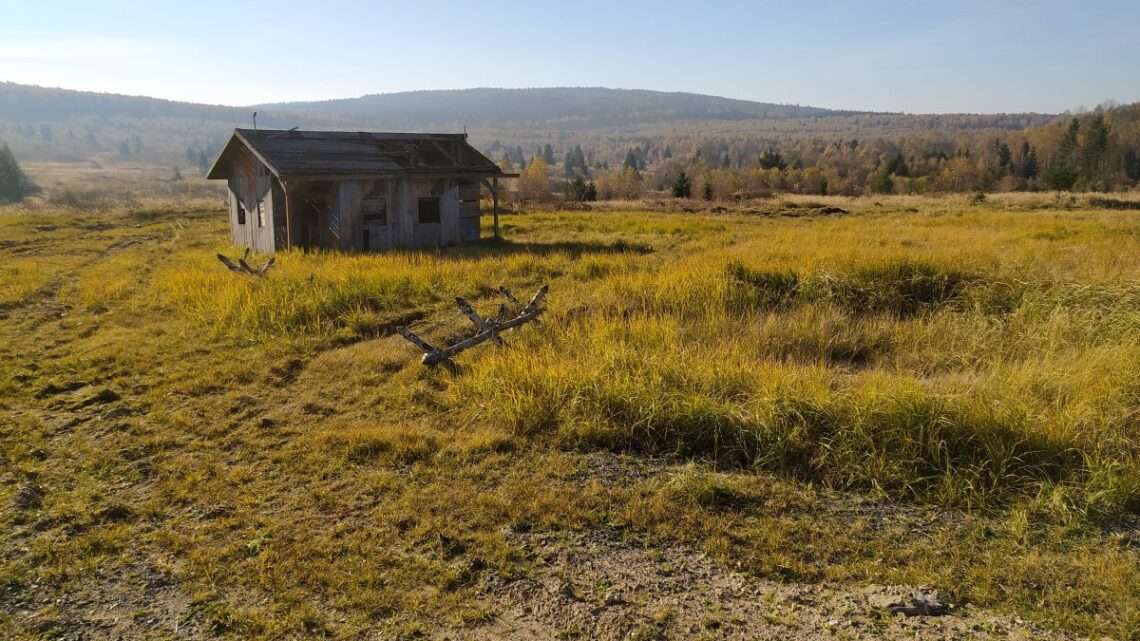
(624, 183)
(534, 182)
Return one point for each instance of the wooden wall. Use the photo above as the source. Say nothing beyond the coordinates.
(400, 226)
(252, 186)
(360, 215)
(257, 233)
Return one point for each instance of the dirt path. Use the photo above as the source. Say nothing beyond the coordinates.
(596, 586)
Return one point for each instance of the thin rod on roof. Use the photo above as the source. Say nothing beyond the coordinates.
(283, 133)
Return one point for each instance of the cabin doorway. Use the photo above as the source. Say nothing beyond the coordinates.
(315, 216)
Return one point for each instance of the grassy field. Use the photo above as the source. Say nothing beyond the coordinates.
(920, 391)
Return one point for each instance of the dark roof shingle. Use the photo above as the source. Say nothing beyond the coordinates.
(358, 153)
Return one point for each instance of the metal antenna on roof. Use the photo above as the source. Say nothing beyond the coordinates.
(255, 121)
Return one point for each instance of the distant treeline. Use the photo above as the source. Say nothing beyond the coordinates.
(1095, 151)
(624, 143)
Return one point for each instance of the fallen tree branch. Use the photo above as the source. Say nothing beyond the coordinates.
(241, 267)
(486, 329)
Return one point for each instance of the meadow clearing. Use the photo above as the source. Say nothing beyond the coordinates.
(920, 391)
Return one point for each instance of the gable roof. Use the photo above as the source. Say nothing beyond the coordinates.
(344, 154)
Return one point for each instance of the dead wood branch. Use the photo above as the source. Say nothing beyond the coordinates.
(241, 267)
(486, 329)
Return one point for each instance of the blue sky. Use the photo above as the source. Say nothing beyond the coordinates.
(899, 56)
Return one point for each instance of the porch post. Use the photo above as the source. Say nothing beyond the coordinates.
(495, 206)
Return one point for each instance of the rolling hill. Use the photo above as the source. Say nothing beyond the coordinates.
(555, 107)
(58, 124)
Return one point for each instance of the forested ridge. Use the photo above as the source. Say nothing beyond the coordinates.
(625, 142)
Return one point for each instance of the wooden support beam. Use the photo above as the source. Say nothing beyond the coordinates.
(495, 206)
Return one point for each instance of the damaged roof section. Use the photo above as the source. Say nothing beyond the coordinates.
(317, 154)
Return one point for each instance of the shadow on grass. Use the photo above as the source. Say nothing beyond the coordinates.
(490, 247)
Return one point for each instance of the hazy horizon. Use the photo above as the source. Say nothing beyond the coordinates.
(970, 57)
(460, 89)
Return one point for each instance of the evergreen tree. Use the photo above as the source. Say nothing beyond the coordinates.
(576, 189)
(1061, 177)
(575, 163)
(708, 193)
(1132, 164)
(682, 186)
(1067, 147)
(631, 160)
(1028, 161)
(1095, 147)
(12, 180)
(1062, 172)
(548, 154)
(897, 166)
(1004, 158)
(591, 191)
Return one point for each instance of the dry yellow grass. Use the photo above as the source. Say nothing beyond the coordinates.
(290, 469)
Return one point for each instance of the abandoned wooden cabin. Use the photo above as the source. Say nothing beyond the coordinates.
(353, 191)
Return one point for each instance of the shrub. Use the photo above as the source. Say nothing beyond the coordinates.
(900, 287)
(750, 288)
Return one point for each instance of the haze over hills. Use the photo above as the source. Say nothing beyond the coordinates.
(555, 106)
(59, 124)
(560, 107)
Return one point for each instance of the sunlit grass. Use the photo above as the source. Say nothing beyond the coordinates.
(299, 472)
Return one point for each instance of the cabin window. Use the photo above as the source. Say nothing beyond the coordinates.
(241, 213)
(429, 210)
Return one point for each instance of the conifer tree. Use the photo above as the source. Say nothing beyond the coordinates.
(1028, 167)
(682, 186)
(630, 160)
(12, 180)
(1132, 164)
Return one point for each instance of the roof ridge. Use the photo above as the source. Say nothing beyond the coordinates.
(297, 152)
